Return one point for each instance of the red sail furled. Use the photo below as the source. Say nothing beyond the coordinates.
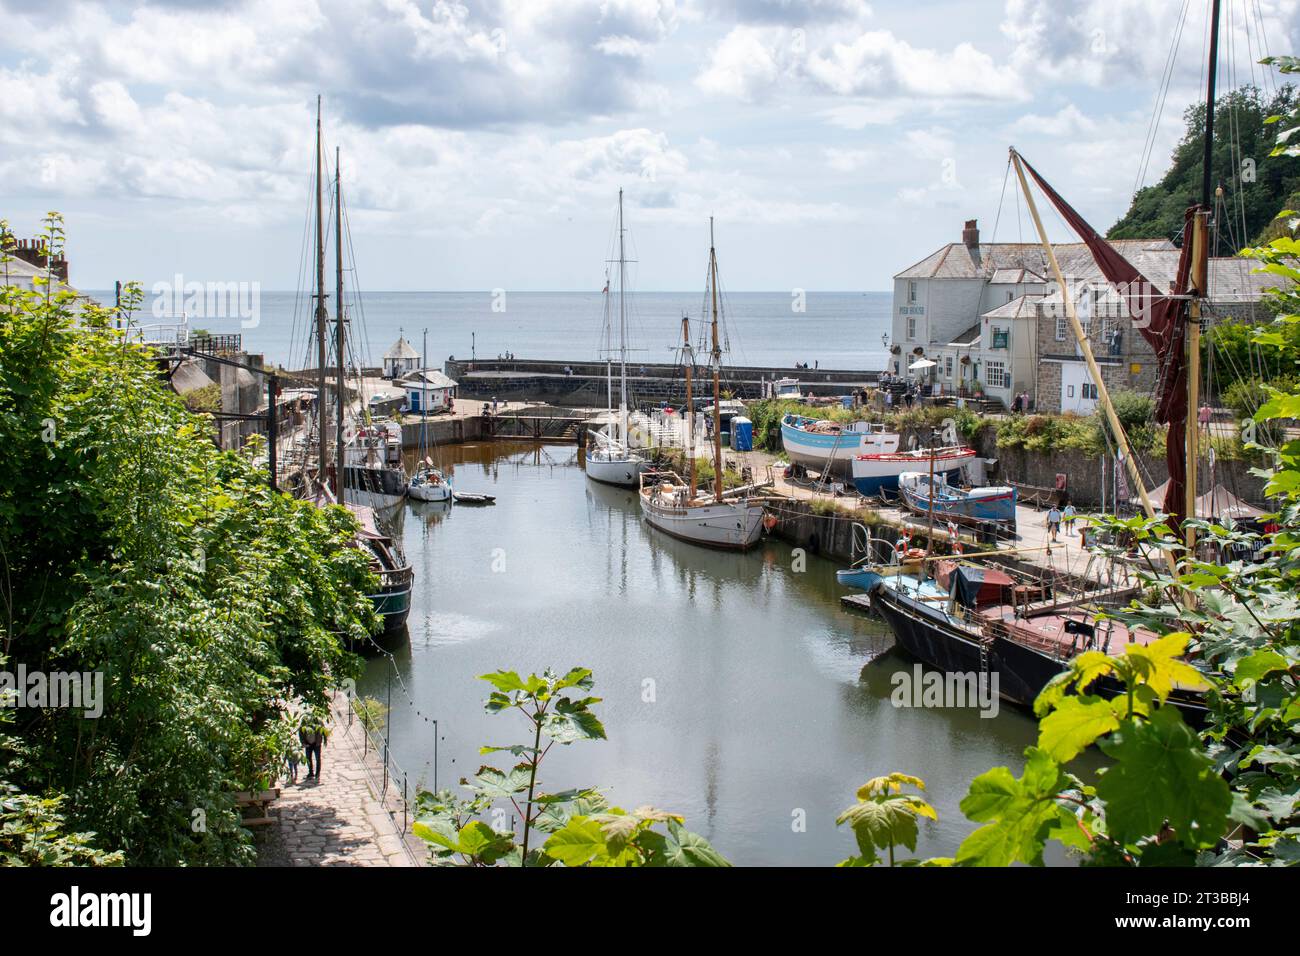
(1161, 317)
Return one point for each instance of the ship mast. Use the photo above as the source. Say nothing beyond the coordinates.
(622, 329)
(688, 360)
(340, 337)
(322, 316)
(715, 360)
(1200, 281)
(609, 359)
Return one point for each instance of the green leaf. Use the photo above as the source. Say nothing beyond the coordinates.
(504, 681)
(1159, 665)
(1021, 813)
(572, 720)
(577, 843)
(494, 784)
(1161, 775)
(1254, 667)
(1075, 725)
(685, 848)
(879, 825)
(480, 841)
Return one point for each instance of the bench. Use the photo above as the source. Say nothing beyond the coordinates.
(255, 805)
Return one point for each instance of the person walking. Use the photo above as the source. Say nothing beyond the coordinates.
(312, 737)
(1203, 416)
(1068, 517)
(1053, 522)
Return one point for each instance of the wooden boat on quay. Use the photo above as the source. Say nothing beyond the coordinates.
(874, 473)
(972, 619)
(922, 495)
(824, 445)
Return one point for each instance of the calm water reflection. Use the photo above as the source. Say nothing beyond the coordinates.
(767, 698)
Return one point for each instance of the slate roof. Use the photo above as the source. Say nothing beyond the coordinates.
(401, 349)
(956, 260)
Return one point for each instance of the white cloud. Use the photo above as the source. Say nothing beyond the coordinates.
(1068, 121)
(1106, 42)
(752, 62)
(849, 160)
(746, 64)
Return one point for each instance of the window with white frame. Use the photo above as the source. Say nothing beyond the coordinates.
(947, 366)
(911, 330)
(911, 291)
(996, 375)
(1060, 327)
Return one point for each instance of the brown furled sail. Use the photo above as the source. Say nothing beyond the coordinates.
(1162, 319)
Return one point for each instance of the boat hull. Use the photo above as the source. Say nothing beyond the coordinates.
(998, 506)
(863, 578)
(375, 487)
(393, 605)
(873, 474)
(927, 634)
(831, 453)
(731, 525)
(623, 472)
(428, 491)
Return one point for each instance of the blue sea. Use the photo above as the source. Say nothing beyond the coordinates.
(840, 330)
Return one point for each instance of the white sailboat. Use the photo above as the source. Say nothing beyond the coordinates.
(428, 483)
(608, 458)
(674, 506)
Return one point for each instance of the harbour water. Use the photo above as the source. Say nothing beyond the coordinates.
(735, 689)
(839, 330)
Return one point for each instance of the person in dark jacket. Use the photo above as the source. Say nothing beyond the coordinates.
(312, 737)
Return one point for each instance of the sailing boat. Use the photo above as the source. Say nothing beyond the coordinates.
(672, 505)
(428, 483)
(392, 602)
(609, 459)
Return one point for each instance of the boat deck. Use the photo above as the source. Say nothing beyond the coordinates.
(1034, 625)
(1047, 631)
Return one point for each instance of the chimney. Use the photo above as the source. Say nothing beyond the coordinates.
(971, 234)
(35, 253)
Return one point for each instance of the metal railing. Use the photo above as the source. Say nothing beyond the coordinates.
(387, 778)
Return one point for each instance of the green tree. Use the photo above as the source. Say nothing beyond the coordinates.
(133, 550)
(1241, 132)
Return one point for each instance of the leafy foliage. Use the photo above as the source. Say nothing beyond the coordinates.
(131, 548)
(581, 828)
(1161, 788)
(885, 817)
(1157, 211)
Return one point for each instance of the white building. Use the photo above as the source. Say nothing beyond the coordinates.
(972, 309)
(429, 386)
(401, 359)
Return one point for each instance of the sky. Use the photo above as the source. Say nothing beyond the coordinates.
(483, 144)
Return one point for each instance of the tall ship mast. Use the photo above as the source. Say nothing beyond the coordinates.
(609, 457)
(336, 477)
